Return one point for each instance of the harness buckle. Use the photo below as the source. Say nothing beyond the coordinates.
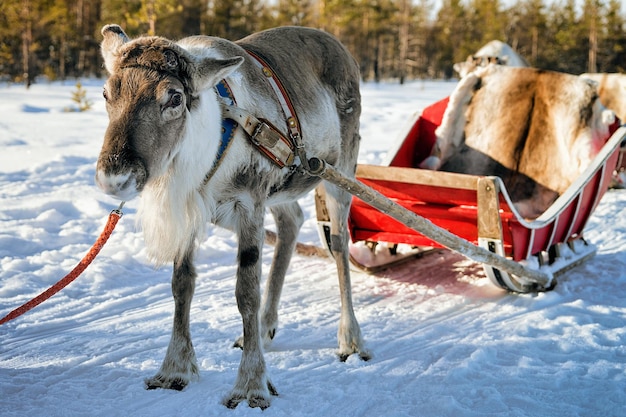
(264, 135)
(273, 144)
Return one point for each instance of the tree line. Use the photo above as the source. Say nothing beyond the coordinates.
(391, 39)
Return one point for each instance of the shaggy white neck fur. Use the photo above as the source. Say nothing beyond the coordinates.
(173, 211)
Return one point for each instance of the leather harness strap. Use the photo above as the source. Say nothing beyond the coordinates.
(268, 139)
(281, 94)
(263, 135)
(293, 125)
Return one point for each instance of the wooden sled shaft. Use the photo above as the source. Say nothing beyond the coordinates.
(424, 226)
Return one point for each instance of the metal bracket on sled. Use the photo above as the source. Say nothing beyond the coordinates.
(502, 278)
(323, 219)
(490, 237)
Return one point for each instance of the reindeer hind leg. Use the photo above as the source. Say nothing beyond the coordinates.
(349, 333)
(289, 219)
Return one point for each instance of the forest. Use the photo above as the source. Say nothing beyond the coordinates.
(391, 39)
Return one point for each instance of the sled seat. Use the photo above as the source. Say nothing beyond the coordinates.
(475, 208)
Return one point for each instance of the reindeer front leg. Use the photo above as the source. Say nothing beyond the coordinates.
(252, 382)
(179, 366)
(289, 219)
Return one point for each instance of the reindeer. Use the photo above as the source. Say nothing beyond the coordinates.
(163, 143)
(537, 130)
(494, 52)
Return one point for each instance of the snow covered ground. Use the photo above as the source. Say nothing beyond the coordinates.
(446, 344)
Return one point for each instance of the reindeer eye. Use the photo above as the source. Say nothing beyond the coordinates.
(105, 94)
(176, 99)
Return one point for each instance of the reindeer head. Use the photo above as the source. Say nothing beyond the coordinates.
(153, 88)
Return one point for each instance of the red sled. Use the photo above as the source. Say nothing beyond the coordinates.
(477, 209)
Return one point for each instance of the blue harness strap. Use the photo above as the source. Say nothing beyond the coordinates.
(228, 128)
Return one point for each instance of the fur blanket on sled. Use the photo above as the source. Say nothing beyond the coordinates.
(537, 130)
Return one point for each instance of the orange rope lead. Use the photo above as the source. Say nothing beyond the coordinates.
(74, 273)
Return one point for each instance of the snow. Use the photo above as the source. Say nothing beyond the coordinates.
(446, 344)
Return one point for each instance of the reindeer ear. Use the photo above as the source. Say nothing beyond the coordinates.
(114, 38)
(209, 71)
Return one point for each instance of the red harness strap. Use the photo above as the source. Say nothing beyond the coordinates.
(74, 273)
(293, 124)
(281, 94)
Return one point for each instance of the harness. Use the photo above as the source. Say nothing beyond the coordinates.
(228, 128)
(279, 148)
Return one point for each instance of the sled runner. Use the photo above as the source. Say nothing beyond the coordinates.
(475, 209)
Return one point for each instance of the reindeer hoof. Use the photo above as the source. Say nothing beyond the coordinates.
(258, 402)
(364, 355)
(233, 401)
(161, 381)
(238, 343)
(254, 401)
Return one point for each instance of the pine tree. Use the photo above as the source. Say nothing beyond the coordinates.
(486, 24)
(234, 19)
(591, 23)
(613, 49)
(79, 97)
(294, 12)
(400, 39)
(526, 30)
(568, 53)
(450, 32)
